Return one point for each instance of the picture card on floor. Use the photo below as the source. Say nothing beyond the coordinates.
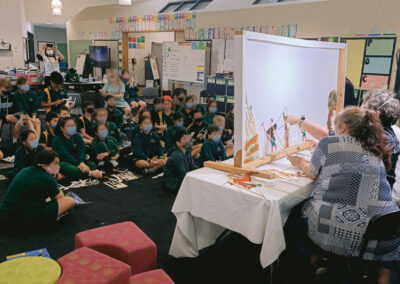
(39, 252)
(115, 184)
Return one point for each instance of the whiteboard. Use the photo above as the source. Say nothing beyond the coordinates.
(184, 61)
(277, 74)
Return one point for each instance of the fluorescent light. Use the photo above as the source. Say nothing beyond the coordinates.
(56, 4)
(125, 2)
(57, 12)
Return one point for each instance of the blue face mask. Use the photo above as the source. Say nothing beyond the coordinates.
(190, 105)
(147, 128)
(34, 144)
(103, 133)
(216, 138)
(213, 109)
(71, 130)
(25, 88)
(53, 125)
(179, 124)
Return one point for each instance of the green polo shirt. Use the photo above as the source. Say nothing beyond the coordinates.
(109, 145)
(26, 102)
(72, 150)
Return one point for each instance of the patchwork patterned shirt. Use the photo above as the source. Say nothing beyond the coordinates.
(350, 189)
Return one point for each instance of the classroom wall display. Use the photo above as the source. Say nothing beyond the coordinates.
(185, 61)
(228, 33)
(99, 36)
(370, 61)
(277, 76)
(157, 22)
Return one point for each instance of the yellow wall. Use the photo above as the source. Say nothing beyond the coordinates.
(327, 18)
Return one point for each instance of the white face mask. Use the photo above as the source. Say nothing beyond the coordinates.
(50, 52)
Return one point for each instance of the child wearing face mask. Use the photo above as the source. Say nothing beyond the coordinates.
(211, 112)
(147, 149)
(47, 136)
(100, 115)
(198, 128)
(136, 129)
(180, 161)
(84, 123)
(105, 149)
(25, 208)
(115, 87)
(26, 152)
(213, 149)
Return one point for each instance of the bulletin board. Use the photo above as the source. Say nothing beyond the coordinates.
(139, 47)
(185, 61)
(276, 76)
(76, 47)
(370, 61)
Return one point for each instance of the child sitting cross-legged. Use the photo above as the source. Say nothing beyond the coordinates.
(105, 149)
(213, 149)
(147, 149)
(47, 136)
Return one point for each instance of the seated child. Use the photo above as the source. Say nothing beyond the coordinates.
(105, 149)
(136, 128)
(179, 96)
(63, 111)
(114, 114)
(84, 123)
(163, 119)
(213, 149)
(177, 119)
(101, 116)
(147, 149)
(226, 136)
(54, 96)
(26, 102)
(72, 151)
(180, 161)
(26, 152)
(47, 136)
(24, 207)
(211, 112)
(198, 128)
(188, 112)
(131, 95)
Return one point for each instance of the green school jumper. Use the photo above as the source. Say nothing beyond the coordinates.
(109, 145)
(72, 152)
(26, 102)
(25, 201)
(178, 165)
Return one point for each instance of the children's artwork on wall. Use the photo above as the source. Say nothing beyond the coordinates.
(330, 39)
(279, 76)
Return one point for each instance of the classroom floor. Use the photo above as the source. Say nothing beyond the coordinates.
(232, 260)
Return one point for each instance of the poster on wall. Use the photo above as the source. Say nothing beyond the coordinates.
(276, 77)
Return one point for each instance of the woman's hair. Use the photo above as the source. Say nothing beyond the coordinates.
(115, 73)
(97, 125)
(366, 127)
(61, 123)
(25, 134)
(45, 158)
(386, 103)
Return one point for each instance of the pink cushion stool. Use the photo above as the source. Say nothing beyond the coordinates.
(151, 277)
(87, 266)
(123, 241)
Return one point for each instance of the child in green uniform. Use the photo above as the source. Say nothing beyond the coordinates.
(84, 123)
(213, 149)
(179, 96)
(180, 162)
(101, 116)
(47, 136)
(163, 119)
(188, 112)
(26, 103)
(114, 114)
(131, 95)
(177, 119)
(226, 136)
(24, 206)
(211, 112)
(54, 96)
(71, 148)
(147, 149)
(26, 152)
(136, 128)
(198, 128)
(105, 149)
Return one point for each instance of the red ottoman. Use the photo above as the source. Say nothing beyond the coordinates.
(87, 266)
(151, 277)
(123, 241)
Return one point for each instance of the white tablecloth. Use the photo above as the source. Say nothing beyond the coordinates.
(206, 205)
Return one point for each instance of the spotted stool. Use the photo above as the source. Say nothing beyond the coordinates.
(151, 277)
(87, 266)
(122, 241)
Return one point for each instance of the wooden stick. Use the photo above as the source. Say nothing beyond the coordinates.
(267, 159)
(241, 171)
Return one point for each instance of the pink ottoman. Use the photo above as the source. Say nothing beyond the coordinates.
(123, 241)
(151, 277)
(86, 266)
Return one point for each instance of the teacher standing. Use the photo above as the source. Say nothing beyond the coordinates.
(51, 57)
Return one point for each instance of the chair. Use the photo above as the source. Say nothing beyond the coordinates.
(149, 94)
(76, 110)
